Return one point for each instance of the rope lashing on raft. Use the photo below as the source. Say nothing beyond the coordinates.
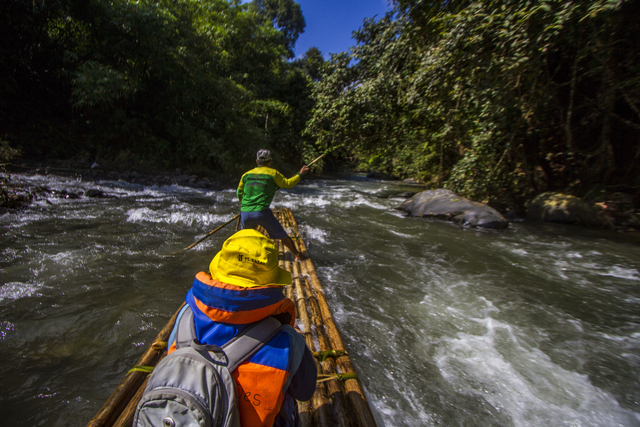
(159, 345)
(324, 355)
(320, 355)
(145, 369)
(339, 377)
(321, 378)
(295, 237)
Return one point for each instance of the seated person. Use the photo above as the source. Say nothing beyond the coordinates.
(245, 285)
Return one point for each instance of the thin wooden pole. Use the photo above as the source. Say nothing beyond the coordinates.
(209, 234)
(319, 157)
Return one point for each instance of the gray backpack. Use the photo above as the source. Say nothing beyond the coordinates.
(193, 386)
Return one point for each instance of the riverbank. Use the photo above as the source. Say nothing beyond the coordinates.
(16, 196)
(96, 173)
(620, 212)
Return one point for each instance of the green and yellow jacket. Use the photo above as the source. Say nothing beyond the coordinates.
(258, 186)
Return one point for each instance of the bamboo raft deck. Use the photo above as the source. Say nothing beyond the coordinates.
(339, 399)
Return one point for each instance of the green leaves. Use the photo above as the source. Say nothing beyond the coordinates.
(602, 6)
(286, 15)
(7, 153)
(98, 85)
(472, 94)
(174, 83)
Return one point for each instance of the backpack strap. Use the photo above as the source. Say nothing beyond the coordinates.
(239, 348)
(246, 344)
(186, 330)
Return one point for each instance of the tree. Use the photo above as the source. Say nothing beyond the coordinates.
(286, 15)
(491, 99)
(312, 62)
(363, 107)
(198, 84)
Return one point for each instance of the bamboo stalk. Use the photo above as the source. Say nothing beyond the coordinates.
(126, 417)
(208, 234)
(319, 408)
(128, 387)
(357, 398)
(319, 157)
(334, 389)
(321, 416)
(303, 315)
(286, 264)
(304, 413)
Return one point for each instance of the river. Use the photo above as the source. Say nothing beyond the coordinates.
(537, 325)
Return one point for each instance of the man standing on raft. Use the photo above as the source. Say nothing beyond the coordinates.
(255, 192)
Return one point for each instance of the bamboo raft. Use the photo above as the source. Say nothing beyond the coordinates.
(339, 399)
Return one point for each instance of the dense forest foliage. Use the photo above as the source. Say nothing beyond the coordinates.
(492, 99)
(196, 84)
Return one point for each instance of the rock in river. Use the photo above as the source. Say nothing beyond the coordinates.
(446, 204)
(565, 209)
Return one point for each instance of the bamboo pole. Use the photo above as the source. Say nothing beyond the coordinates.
(209, 234)
(334, 389)
(318, 410)
(304, 414)
(126, 417)
(319, 157)
(286, 264)
(128, 387)
(303, 315)
(360, 407)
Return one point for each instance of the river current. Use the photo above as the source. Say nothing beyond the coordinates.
(537, 325)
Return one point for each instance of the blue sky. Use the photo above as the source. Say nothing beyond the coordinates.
(331, 22)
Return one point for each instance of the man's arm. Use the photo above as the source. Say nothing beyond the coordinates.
(283, 182)
(303, 383)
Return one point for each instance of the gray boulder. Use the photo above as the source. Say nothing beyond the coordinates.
(446, 204)
(564, 209)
